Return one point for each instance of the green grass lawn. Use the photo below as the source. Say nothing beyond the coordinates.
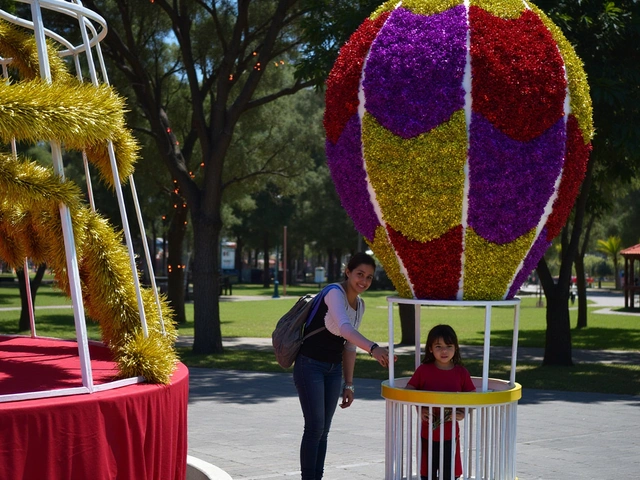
(616, 332)
(258, 318)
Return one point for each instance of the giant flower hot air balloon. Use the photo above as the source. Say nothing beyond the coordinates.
(458, 135)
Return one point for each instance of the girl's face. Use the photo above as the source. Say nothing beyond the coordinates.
(360, 278)
(443, 352)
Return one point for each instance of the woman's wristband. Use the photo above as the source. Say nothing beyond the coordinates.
(373, 347)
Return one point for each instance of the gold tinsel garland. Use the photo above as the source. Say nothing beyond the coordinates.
(19, 45)
(437, 191)
(81, 117)
(30, 227)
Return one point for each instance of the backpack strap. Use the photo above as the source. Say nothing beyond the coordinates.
(316, 306)
(316, 302)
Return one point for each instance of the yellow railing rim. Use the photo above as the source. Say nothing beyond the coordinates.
(448, 398)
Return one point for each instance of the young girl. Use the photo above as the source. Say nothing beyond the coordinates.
(441, 371)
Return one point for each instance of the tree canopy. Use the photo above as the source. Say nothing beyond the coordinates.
(231, 58)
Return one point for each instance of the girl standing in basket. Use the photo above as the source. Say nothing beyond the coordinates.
(326, 357)
(441, 371)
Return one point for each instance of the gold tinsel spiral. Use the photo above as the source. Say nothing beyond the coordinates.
(80, 117)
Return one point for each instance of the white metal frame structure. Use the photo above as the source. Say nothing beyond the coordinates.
(488, 433)
(93, 29)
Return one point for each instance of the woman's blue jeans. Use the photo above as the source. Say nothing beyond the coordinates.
(318, 384)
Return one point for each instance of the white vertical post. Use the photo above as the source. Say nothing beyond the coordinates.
(454, 446)
(147, 255)
(118, 188)
(391, 342)
(127, 236)
(409, 442)
(388, 439)
(27, 287)
(487, 347)
(419, 442)
(514, 345)
(478, 470)
(87, 174)
(418, 309)
(65, 216)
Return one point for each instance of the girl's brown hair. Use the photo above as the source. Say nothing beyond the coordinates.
(359, 259)
(448, 336)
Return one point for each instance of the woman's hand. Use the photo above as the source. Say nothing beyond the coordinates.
(347, 398)
(381, 355)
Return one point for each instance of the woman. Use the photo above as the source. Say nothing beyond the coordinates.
(326, 357)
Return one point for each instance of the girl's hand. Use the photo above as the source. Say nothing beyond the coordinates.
(424, 413)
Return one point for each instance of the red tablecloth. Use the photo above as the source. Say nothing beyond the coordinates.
(136, 432)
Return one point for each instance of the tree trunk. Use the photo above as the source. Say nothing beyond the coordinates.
(331, 265)
(581, 283)
(407, 323)
(557, 347)
(25, 322)
(175, 275)
(238, 258)
(206, 310)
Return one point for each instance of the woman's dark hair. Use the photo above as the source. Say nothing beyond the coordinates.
(359, 259)
(448, 336)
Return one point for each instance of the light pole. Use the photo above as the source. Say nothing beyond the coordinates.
(275, 281)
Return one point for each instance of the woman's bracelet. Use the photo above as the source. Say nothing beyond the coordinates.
(348, 387)
(373, 347)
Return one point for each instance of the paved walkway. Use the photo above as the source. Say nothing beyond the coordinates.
(250, 424)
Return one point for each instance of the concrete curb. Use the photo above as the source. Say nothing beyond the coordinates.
(200, 470)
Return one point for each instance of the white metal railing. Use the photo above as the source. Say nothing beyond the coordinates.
(93, 29)
(487, 435)
(486, 304)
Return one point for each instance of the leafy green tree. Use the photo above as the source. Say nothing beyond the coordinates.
(611, 247)
(324, 224)
(605, 35)
(629, 220)
(226, 52)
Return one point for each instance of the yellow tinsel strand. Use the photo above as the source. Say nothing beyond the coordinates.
(423, 174)
(429, 7)
(32, 226)
(385, 7)
(11, 249)
(508, 9)
(81, 116)
(386, 255)
(33, 184)
(109, 280)
(20, 45)
(489, 267)
(147, 357)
